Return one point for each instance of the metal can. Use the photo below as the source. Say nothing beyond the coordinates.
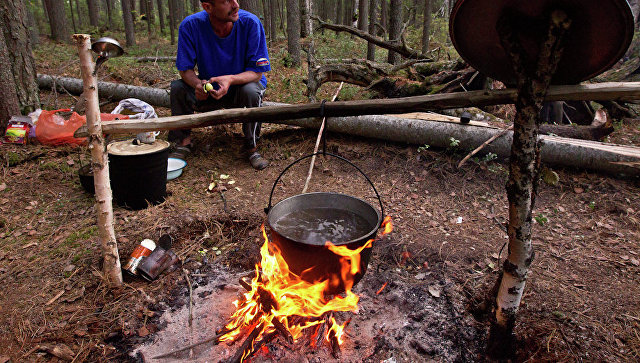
(141, 251)
(156, 263)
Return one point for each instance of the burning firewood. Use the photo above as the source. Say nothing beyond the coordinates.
(280, 303)
(245, 349)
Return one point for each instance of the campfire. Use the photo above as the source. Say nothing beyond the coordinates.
(280, 303)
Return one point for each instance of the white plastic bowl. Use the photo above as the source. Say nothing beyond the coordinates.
(174, 168)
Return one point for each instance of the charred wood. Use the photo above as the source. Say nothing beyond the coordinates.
(245, 349)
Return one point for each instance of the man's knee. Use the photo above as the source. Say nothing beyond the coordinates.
(179, 89)
(250, 94)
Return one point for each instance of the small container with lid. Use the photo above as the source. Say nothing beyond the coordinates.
(141, 251)
(138, 172)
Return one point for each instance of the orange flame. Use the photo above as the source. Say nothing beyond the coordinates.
(337, 330)
(279, 294)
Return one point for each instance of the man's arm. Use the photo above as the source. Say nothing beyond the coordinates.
(233, 79)
(189, 77)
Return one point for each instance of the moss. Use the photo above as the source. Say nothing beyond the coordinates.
(55, 166)
(13, 158)
(74, 241)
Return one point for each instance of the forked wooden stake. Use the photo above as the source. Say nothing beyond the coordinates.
(104, 206)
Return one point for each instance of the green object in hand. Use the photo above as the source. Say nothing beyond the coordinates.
(208, 87)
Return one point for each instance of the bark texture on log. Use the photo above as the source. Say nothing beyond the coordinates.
(104, 201)
(114, 91)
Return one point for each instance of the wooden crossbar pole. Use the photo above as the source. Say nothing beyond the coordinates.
(611, 91)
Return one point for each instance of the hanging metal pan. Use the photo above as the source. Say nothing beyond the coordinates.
(600, 34)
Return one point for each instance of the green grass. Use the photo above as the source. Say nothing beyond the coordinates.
(61, 166)
(75, 241)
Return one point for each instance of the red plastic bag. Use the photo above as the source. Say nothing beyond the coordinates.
(53, 129)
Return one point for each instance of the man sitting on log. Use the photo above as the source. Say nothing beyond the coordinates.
(228, 46)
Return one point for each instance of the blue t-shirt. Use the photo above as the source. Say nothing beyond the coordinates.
(244, 49)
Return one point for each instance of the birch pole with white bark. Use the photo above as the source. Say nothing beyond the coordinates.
(104, 200)
(524, 169)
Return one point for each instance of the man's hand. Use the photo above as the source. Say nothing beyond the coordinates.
(224, 82)
(201, 95)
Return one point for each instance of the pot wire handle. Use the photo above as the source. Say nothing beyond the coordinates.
(267, 209)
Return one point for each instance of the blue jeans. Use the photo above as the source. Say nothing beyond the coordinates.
(184, 102)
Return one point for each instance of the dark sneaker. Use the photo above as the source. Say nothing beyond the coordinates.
(257, 161)
(180, 152)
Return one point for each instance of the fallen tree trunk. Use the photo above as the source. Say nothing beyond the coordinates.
(593, 132)
(156, 59)
(113, 91)
(557, 151)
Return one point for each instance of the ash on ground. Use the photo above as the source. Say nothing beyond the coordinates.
(416, 317)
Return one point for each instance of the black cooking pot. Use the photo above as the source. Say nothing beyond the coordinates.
(300, 225)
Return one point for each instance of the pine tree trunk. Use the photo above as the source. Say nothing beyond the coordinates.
(395, 27)
(79, 13)
(266, 23)
(363, 15)
(73, 21)
(58, 21)
(151, 19)
(34, 31)
(347, 16)
(273, 24)
(324, 13)
(195, 5)
(109, 6)
(161, 16)
(17, 40)
(251, 6)
(92, 6)
(373, 18)
(282, 17)
(172, 21)
(426, 26)
(293, 32)
(142, 6)
(414, 12)
(384, 15)
(306, 25)
(9, 100)
(129, 31)
(104, 202)
(44, 7)
(179, 7)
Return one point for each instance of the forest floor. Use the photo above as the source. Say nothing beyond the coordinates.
(581, 300)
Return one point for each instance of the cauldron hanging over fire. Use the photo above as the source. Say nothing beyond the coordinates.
(319, 249)
(301, 225)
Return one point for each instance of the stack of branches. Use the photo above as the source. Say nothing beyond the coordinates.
(424, 75)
